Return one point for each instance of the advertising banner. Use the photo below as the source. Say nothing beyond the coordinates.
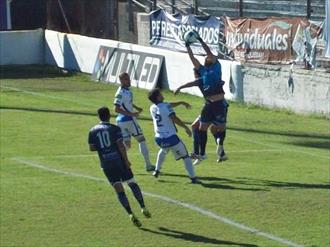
(143, 68)
(266, 40)
(166, 31)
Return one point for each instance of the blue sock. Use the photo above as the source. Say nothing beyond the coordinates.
(137, 193)
(202, 141)
(196, 140)
(124, 202)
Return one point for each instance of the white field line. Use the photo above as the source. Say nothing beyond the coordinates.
(286, 149)
(173, 201)
(46, 96)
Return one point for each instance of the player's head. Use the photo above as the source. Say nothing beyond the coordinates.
(208, 61)
(155, 96)
(125, 80)
(104, 113)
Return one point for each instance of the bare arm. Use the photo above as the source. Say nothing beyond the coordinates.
(178, 121)
(185, 104)
(139, 109)
(207, 50)
(122, 111)
(188, 84)
(122, 151)
(194, 60)
(92, 147)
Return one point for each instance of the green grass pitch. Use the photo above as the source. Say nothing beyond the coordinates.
(54, 194)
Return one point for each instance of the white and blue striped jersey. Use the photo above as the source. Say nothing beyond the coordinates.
(163, 124)
(124, 99)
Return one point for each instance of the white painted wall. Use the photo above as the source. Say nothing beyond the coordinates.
(78, 52)
(21, 47)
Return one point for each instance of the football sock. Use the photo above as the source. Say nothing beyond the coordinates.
(202, 141)
(189, 167)
(160, 159)
(196, 140)
(144, 151)
(221, 136)
(137, 193)
(124, 202)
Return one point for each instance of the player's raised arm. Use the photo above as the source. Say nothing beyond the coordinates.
(194, 83)
(175, 104)
(179, 122)
(194, 60)
(207, 49)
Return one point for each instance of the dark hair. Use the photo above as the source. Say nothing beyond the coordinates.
(104, 113)
(153, 94)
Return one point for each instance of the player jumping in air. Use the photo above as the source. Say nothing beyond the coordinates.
(215, 107)
(126, 118)
(107, 140)
(164, 120)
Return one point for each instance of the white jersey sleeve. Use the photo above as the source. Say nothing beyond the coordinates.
(118, 97)
(163, 124)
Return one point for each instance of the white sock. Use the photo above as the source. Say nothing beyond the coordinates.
(144, 151)
(160, 159)
(189, 167)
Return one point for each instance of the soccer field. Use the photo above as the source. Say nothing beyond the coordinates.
(273, 190)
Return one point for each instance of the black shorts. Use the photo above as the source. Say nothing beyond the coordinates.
(116, 171)
(215, 112)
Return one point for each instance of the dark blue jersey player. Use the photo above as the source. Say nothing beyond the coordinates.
(107, 140)
(215, 108)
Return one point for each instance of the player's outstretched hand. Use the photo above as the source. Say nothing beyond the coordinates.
(188, 131)
(187, 105)
(176, 91)
(135, 114)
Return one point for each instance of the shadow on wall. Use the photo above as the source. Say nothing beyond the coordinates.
(31, 71)
(68, 56)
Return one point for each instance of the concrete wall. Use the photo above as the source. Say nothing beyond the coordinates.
(79, 53)
(307, 92)
(21, 47)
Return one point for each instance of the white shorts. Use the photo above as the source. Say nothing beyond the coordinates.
(179, 151)
(130, 128)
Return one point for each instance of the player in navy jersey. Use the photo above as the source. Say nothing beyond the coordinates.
(215, 108)
(107, 140)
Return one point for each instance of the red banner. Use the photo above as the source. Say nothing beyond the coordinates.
(262, 40)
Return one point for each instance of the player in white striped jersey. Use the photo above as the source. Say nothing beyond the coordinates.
(126, 119)
(164, 120)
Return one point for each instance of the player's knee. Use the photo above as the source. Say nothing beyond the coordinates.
(118, 186)
(203, 126)
(131, 182)
(140, 138)
(127, 144)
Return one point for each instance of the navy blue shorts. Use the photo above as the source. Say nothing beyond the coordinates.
(116, 171)
(215, 112)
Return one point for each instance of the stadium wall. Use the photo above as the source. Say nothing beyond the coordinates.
(79, 53)
(22, 47)
(305, 92)
(301, 91)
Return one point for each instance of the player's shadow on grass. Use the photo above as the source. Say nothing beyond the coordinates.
(216, 183)
(194, 237)
(278, 184)
(313, 144)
